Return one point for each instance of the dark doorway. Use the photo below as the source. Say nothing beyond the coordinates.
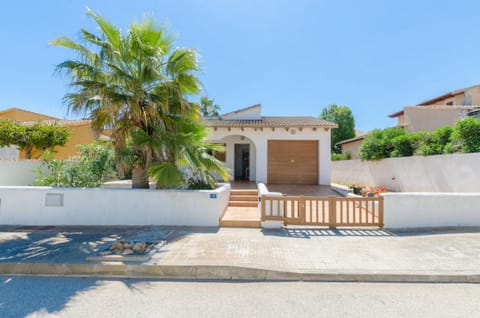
(242, 161)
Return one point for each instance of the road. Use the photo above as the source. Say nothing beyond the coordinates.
(99, 297)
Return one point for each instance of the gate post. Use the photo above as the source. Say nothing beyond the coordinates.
(380, 211)
(332, 212)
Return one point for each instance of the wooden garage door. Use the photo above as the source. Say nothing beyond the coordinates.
(293, 161)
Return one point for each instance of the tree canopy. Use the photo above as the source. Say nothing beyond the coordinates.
(32, 138)
(342, 116)
(135, 82)
(208, 108)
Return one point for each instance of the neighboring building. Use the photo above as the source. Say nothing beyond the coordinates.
(443, 110)
(81, 133)
(352, 145)
(292, 150)
(22, 115)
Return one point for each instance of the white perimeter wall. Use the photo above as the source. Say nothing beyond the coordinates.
(442, 173)
(18, 172)
(27, 206)
(9, 152)
(416, 210)
(260, 139)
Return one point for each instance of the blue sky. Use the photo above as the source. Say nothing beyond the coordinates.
(293, 57)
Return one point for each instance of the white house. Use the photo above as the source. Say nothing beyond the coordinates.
(282, 150)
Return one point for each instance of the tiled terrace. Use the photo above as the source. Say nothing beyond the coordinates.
(300, 189)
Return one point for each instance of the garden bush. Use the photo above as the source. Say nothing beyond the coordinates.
(341, 156)
(466, 134)
(395, 142)
(94, 165)
(378, 144)
(404, 145)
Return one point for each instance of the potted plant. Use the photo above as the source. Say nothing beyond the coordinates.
(379, 191)
(356, 189)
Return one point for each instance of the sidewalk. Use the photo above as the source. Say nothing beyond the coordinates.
(229, 253)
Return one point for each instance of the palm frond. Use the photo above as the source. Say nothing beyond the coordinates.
(109, 29)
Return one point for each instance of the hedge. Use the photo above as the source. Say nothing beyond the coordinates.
(396, 142)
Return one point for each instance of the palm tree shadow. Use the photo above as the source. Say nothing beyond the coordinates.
(34, 298)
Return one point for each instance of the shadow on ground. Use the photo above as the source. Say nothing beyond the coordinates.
(41, 296)
(362, 232)
(311, 232)
(57, 244)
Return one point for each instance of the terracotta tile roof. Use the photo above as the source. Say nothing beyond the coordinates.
(25, 111)
(58, 122)
(271, 122)
(346, 141)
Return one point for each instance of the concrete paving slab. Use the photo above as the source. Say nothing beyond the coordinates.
(68, 244)
(252, 254)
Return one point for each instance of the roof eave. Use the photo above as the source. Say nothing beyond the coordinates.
(396, 114)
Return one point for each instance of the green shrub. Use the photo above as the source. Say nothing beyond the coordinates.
(403, 145)
(395, 142)
(436, 142)
(378, 144)
(466, 134)
(341, 156)
(90, 169)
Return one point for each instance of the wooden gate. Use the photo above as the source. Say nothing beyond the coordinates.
(323, 211)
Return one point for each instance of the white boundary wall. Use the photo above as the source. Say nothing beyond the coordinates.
(18, 172)
(28, 206)
(9, 152)
(441, 173)
(417, 210)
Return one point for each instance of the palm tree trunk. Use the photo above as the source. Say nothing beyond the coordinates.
(139, 178)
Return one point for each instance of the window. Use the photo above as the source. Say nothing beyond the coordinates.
(220, 155)
(450, 103)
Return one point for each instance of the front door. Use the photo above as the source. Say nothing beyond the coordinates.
(242, 162)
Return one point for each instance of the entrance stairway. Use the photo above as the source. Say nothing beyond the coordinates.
(242, 210)
(244, 198)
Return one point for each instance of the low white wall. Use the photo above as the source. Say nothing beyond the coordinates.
(9, 152)
(441, 173)
(27, 206)
(18, 172)
(124, 184)
(416, 210)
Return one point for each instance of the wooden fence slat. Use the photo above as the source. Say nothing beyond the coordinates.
(329, 211)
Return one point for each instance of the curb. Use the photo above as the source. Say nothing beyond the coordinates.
(221, 272)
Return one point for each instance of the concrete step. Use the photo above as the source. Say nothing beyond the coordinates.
(240, 223)
(243, 203)
(247, 197)
(243, 192)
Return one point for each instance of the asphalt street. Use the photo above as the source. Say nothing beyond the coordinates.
(100, 297)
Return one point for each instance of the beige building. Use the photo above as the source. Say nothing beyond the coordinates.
(80, 130)
(443, 110)
(352, 146)
(440, 111)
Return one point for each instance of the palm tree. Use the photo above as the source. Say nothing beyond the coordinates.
(129, 80)
(181, 153)
(208, 108)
